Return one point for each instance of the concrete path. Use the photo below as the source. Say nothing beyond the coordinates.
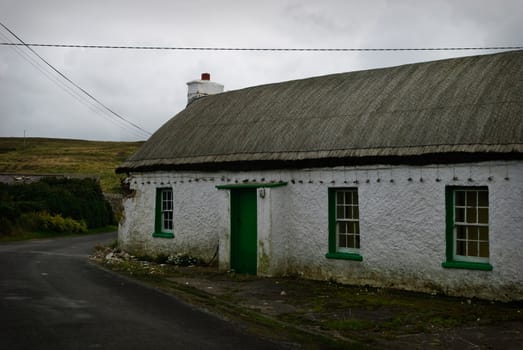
(51, 297)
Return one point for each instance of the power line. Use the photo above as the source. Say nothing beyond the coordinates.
(74, 93)
(22, 43)
(189, 48)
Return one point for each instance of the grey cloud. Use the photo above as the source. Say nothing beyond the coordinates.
(149, 87)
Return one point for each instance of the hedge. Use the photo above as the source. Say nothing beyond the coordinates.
(80, 200)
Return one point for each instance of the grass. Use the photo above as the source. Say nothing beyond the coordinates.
(361, 313)
(325, 315)
(44, 235)
(66, 156)
(353, 325)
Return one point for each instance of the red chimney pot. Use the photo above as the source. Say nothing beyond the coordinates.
(206, 76)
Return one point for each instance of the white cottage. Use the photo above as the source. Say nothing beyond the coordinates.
(407, 177)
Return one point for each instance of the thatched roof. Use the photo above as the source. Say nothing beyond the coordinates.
(465, 106)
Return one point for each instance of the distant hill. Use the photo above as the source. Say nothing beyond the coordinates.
(66, 156)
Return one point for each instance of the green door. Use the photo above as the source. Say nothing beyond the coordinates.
(243, 231)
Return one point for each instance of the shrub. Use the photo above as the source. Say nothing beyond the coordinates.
(182, 260)
(78, 199)
(161, 258)
(7, 227)
(46, 222)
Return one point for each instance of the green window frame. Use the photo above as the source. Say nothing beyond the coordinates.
(164, 213)
(467, 228)
(344, 224)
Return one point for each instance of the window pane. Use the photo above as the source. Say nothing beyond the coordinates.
(483, 198)
(460, 198)
(357, 245)
(340, 213)
(483, 249)
(471, 199)
(356, 212)
(472, 233)
(473, 248)
(350, 241)
(348, 212)
(339, 198)
(342, 241)
(483, 215)
(460, 214)
(471, 215)
(351, 227)
(354, 197)
(348, 197)
(357, 227)
(461, 232)
(483, 233)
(461, 248)
(342, 228)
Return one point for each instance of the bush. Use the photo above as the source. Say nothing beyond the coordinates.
(79, 199)
(68, 199)
(182, 260)
(46, 222)
(7, 227)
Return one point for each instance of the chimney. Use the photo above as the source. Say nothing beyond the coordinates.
(202, 88)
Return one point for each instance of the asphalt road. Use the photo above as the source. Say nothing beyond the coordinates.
(52, 297)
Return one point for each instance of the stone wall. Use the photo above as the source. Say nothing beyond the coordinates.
(115, 200)
(402, 224)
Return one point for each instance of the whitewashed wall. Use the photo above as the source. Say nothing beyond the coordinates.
(201, 215)
(402, 224)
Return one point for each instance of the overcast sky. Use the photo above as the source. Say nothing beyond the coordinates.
(149, 87)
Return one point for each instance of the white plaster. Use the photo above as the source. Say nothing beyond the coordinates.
(201, 88)
(200, 216)
(402, 224)
(264, 231)
(224, 234)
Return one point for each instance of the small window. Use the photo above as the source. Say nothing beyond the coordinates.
(163, 226)
(344, 224)
(347, 222)
(467, 228)
(167, 210)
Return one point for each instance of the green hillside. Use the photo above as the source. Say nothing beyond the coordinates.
(66, 156)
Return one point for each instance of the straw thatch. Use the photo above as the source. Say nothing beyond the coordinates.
(464, 106)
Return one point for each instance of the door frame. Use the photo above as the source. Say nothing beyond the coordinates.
(225, 247)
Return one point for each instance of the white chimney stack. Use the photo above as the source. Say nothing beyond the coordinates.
(202, 87)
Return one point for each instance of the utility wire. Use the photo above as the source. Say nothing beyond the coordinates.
(189, 48)
(74, 93)
(22, 43)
